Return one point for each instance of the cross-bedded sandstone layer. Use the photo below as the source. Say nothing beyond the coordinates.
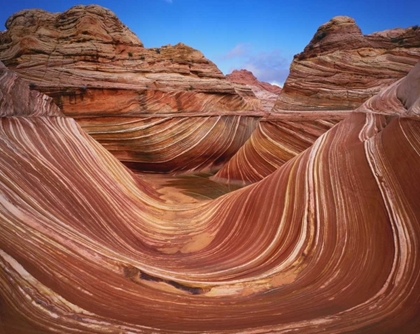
(99, 73)
(327, 243)
(86, 54)
(277, 139)
(341, 68)
(172, 143)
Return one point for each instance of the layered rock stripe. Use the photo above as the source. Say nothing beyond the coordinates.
(277, 139)
(329, 242)
(171, 143)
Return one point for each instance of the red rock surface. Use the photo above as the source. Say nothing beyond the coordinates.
(24, 102)
(341, 68)
(161, 144)
(327, 243)
(99, 73)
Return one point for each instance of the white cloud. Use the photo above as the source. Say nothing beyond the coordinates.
(268, 66)
(238, 51)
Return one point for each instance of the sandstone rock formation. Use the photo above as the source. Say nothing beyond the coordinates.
(98, 72)
(265, 92)
(341, 68)
(327, 243)
(277, 139)
(138, 102)
(86, 51)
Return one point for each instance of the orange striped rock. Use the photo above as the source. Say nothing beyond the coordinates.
(328, 243)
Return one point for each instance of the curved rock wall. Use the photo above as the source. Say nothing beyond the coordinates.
(161, 144)
(17, 100)
(327, 243)
(277, 139)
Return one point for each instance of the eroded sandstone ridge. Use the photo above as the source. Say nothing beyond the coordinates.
(341, 68)
(277, 139)
(264, 91)
(328, 243)
(98, 72)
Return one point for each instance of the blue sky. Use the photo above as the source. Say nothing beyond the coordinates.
(259, 35)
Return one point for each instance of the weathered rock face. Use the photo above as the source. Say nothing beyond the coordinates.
(341, 68)
(265, 92)
(98, 72)
(327, 243)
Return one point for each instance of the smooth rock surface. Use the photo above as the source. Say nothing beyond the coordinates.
(181, 143)
(329, 242)
(277, 139)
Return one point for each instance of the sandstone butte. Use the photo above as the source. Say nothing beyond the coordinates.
(338, 70)
(329, 242)
(266, 92)
(155, 109)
